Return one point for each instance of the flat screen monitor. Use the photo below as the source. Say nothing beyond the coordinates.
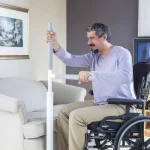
(141, 50)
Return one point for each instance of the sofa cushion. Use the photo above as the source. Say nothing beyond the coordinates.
(36, 125)
(35, 128)
(42, 113)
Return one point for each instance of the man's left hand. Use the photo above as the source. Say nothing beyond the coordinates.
(83, 76)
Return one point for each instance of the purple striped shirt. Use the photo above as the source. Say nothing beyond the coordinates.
(112, 76)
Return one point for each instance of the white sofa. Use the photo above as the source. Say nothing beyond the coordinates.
(23, 111)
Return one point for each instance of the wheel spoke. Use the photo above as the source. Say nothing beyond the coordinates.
(132, 142)
(147, 142)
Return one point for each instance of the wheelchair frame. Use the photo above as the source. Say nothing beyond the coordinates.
(106, 137)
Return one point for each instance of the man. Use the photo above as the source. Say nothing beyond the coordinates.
(111, 71)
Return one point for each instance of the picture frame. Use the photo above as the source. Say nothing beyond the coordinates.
(14, 32)
(141, 50)
(143, 18)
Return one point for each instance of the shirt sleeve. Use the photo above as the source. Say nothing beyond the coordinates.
(74, 60)
(122, 76)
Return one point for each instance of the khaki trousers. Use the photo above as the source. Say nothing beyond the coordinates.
(73, 120)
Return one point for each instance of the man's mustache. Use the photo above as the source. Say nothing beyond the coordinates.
(91, 44)
(94, 51)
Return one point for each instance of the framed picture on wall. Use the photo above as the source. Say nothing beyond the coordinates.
(141, 49)
(144, 18)
(14, 32)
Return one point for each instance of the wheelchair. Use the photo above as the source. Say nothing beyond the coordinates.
(129, 132)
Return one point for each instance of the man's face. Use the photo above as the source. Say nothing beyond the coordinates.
(94, 41)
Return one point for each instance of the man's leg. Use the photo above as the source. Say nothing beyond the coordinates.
(63, 121)
(80, 118)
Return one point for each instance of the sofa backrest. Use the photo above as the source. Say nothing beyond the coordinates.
(32, 93)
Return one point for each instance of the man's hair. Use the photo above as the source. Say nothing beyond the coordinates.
(100, 30)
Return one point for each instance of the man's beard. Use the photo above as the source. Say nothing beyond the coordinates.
(94, 51)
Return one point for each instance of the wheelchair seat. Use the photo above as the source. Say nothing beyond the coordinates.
(100, 126)
(109, 126)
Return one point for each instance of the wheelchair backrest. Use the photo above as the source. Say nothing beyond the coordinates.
(141, 75)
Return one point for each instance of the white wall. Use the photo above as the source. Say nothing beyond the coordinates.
(40, 13)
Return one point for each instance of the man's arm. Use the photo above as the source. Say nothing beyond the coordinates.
(74, 60)
(67, 58)
(122, 76)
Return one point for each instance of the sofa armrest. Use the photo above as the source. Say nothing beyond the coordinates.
(10, 104)
(125, 101)
(12, 117)
(64, 93)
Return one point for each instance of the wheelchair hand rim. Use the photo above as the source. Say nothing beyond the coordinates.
(129, 126)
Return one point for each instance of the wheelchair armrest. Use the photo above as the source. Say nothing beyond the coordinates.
(125, 101)
(91, 92)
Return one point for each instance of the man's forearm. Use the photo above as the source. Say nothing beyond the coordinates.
(56, 46)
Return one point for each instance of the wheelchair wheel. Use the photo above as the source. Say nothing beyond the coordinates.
(131, 135)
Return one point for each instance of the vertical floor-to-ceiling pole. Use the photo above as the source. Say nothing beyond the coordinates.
(49, 140)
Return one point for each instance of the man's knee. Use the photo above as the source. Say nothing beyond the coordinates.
(63, 110)
(75, 117)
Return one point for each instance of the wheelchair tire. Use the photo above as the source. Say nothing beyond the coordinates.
(124, 129)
